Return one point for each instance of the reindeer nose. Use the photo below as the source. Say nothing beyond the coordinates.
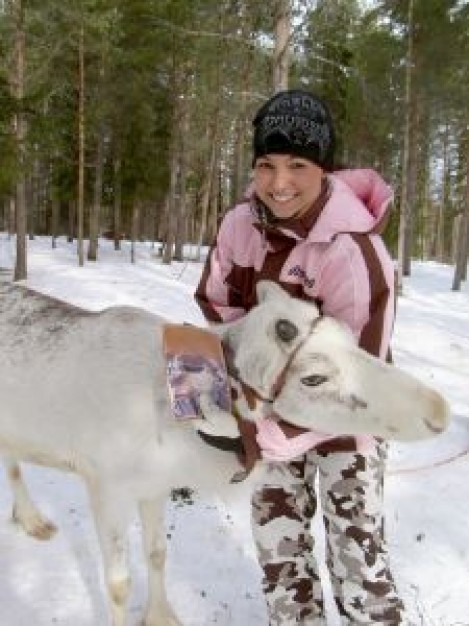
(286, 330)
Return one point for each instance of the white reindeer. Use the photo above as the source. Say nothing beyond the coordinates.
(86, 392)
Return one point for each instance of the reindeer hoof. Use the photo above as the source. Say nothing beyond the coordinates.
(161, 621)
(35, 525)
(170, 621)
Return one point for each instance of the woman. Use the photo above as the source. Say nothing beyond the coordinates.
(316, 233)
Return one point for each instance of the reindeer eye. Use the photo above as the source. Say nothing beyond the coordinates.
(286, 331)
(314, 380)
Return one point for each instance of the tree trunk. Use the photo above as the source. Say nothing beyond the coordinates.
(171, 203)
(134, 230)
(281, 60)
(416, 167)
(3, 211)
(117, 206)
(240, 167)
(181, 200)
(81, 145)
(11, 216)
(97, 198)
(20, 132)
(163, 227)
(440, 236)
(55, 219)
(455, 230)
(215, 200)
(460, 270)
(72, 220)
(427, 214)
(466, 252)
(32, 200)
(210, 175)
(404, 220)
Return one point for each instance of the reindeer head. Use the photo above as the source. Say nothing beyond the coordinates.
(262, 342)
(328, 383)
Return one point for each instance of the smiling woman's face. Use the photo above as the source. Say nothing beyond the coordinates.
(287, 184)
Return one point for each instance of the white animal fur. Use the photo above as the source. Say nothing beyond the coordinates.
(331, 385)
(86, 392)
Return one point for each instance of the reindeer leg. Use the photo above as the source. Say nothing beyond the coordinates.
(112, 517)
(25, 513)
(159, 612)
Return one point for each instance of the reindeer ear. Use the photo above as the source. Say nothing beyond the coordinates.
(267, 289)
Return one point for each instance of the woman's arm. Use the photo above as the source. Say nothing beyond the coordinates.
(218, 300)
(357, 287)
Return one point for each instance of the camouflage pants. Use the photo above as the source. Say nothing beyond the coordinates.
(350, 486)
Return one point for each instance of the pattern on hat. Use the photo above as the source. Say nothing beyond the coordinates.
(299, 120)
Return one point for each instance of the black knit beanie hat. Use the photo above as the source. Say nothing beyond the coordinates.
(295, 122)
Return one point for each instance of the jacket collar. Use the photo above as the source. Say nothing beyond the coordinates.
(298, 227)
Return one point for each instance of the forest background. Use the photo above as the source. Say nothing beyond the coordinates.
(132, 118)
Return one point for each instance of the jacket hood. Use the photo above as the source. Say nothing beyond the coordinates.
(370, 188)
(359, 203)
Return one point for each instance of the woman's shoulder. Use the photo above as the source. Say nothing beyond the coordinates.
(237, 226)
(241, 212)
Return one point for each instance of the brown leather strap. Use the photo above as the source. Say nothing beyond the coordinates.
(251, 451)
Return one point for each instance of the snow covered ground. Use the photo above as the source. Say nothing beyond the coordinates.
(212, 574)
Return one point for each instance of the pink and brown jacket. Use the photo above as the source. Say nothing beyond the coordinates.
(334, 255)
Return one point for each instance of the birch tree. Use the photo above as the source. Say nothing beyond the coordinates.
(281, 57)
